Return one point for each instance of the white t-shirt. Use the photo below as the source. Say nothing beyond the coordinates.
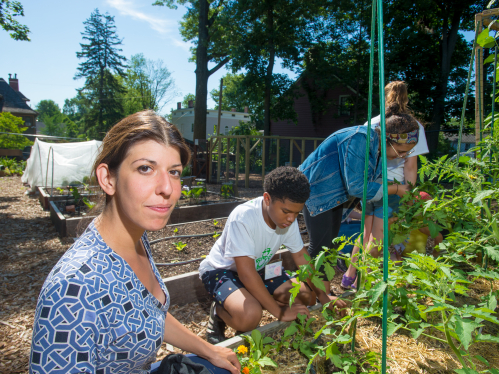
(395, 167)
(247, 234)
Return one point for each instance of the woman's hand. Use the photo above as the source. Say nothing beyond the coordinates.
(403, 189)
(224, 358)
(335, 304)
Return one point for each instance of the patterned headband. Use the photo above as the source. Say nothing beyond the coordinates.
(408, 138)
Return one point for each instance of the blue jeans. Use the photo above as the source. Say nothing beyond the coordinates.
(198, 360)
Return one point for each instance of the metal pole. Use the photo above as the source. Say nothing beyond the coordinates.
(381, 56)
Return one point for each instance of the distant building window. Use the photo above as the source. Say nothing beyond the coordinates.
(192, 127)
(226, 132)
(27, 121)
(246, 116)
(233, 115)
(344, 105)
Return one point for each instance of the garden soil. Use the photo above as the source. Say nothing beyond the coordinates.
(30, 247)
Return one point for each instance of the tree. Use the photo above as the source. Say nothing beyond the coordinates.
(207, 25)
(148, 84)
(8, 10)
(47, 108)
(101, 59)
(13, 124)
(425, 48)
(56, 122)
(268, 30)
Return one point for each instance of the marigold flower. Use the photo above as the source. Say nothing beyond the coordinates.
(245, 370)
(242, 349)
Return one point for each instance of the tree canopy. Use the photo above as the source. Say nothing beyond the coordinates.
(13, 124)
(101, 58)
(8, 10)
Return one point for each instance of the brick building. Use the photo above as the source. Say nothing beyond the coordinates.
(14, 102)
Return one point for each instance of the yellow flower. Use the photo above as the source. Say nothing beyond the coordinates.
(471, 176)
(242, 349)
(246, 369)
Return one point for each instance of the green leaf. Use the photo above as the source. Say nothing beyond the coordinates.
(307, 348)
(482, 195)
(466, 371)
(478, 357)
(318, 283)
(464, 329)
(487, 338)
(291, 330)
(329, 271)
(489, 59)
(257, 338)
(267, 340)
(377, 290)
(319, 260)
(392, 327)
(434, 229)
(267, 361)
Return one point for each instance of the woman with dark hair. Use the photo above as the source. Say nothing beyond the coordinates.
(103, 308)
(335, 171)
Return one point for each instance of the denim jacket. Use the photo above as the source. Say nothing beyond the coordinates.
(335, 170)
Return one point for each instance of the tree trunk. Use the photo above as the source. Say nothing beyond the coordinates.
(202, 73)
(448, 43)
(270, 69)
(101, 90)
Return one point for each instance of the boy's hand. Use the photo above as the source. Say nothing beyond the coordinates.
(289, 314)
(335, 304)
(403, 189)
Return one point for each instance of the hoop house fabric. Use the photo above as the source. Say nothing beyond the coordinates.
(68, 162)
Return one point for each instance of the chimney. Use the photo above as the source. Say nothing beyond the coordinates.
(14, 82)
(246, 109)
(191, 104)
(232, 109)
(179, 105)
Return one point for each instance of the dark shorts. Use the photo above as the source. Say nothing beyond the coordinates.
(220, 283)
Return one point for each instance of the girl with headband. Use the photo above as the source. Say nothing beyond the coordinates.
(335, 171)
(402, 169)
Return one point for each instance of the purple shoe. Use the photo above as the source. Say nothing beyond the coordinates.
(348, 282)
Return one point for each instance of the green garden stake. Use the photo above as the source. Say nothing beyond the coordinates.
(366, 159)
(381, 56)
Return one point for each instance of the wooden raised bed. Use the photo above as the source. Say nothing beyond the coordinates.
(189, 213)
(44, 197)
(67, 226)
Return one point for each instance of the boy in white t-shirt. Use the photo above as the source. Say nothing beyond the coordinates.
(237, 272)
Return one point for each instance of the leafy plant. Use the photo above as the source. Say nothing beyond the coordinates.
(175, 231)
(227, 191)
(12, 166)
(179, 245)
(215, 222)
(257, 356)
(217, 234)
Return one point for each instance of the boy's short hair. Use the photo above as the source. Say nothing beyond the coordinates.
(287, 182)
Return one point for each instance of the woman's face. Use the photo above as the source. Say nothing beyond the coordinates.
(148, 184)
(397, 150)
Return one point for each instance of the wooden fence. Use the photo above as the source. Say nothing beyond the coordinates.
(231, 146)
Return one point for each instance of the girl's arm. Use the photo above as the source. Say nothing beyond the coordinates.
(411, 170)
(179, 336)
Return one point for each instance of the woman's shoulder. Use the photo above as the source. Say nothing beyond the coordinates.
(88, 256)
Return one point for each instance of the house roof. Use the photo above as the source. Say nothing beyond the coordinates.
(13, 101)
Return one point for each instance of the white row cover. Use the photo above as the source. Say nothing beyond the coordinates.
(64, 162)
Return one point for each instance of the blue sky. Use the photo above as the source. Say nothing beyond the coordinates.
(46, 65)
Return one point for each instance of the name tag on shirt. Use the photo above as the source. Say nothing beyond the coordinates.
(273, 270)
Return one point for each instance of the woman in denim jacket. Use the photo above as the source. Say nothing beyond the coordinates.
(335, 171)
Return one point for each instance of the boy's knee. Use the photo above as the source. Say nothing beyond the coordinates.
(250, 319)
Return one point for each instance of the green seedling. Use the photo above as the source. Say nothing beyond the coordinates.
(227, 191)
(215, 222)
(175, 231)
(216, 235)
(61, 190)
(88, 203)
(179, 245)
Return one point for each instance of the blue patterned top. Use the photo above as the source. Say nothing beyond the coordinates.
(94, 315)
